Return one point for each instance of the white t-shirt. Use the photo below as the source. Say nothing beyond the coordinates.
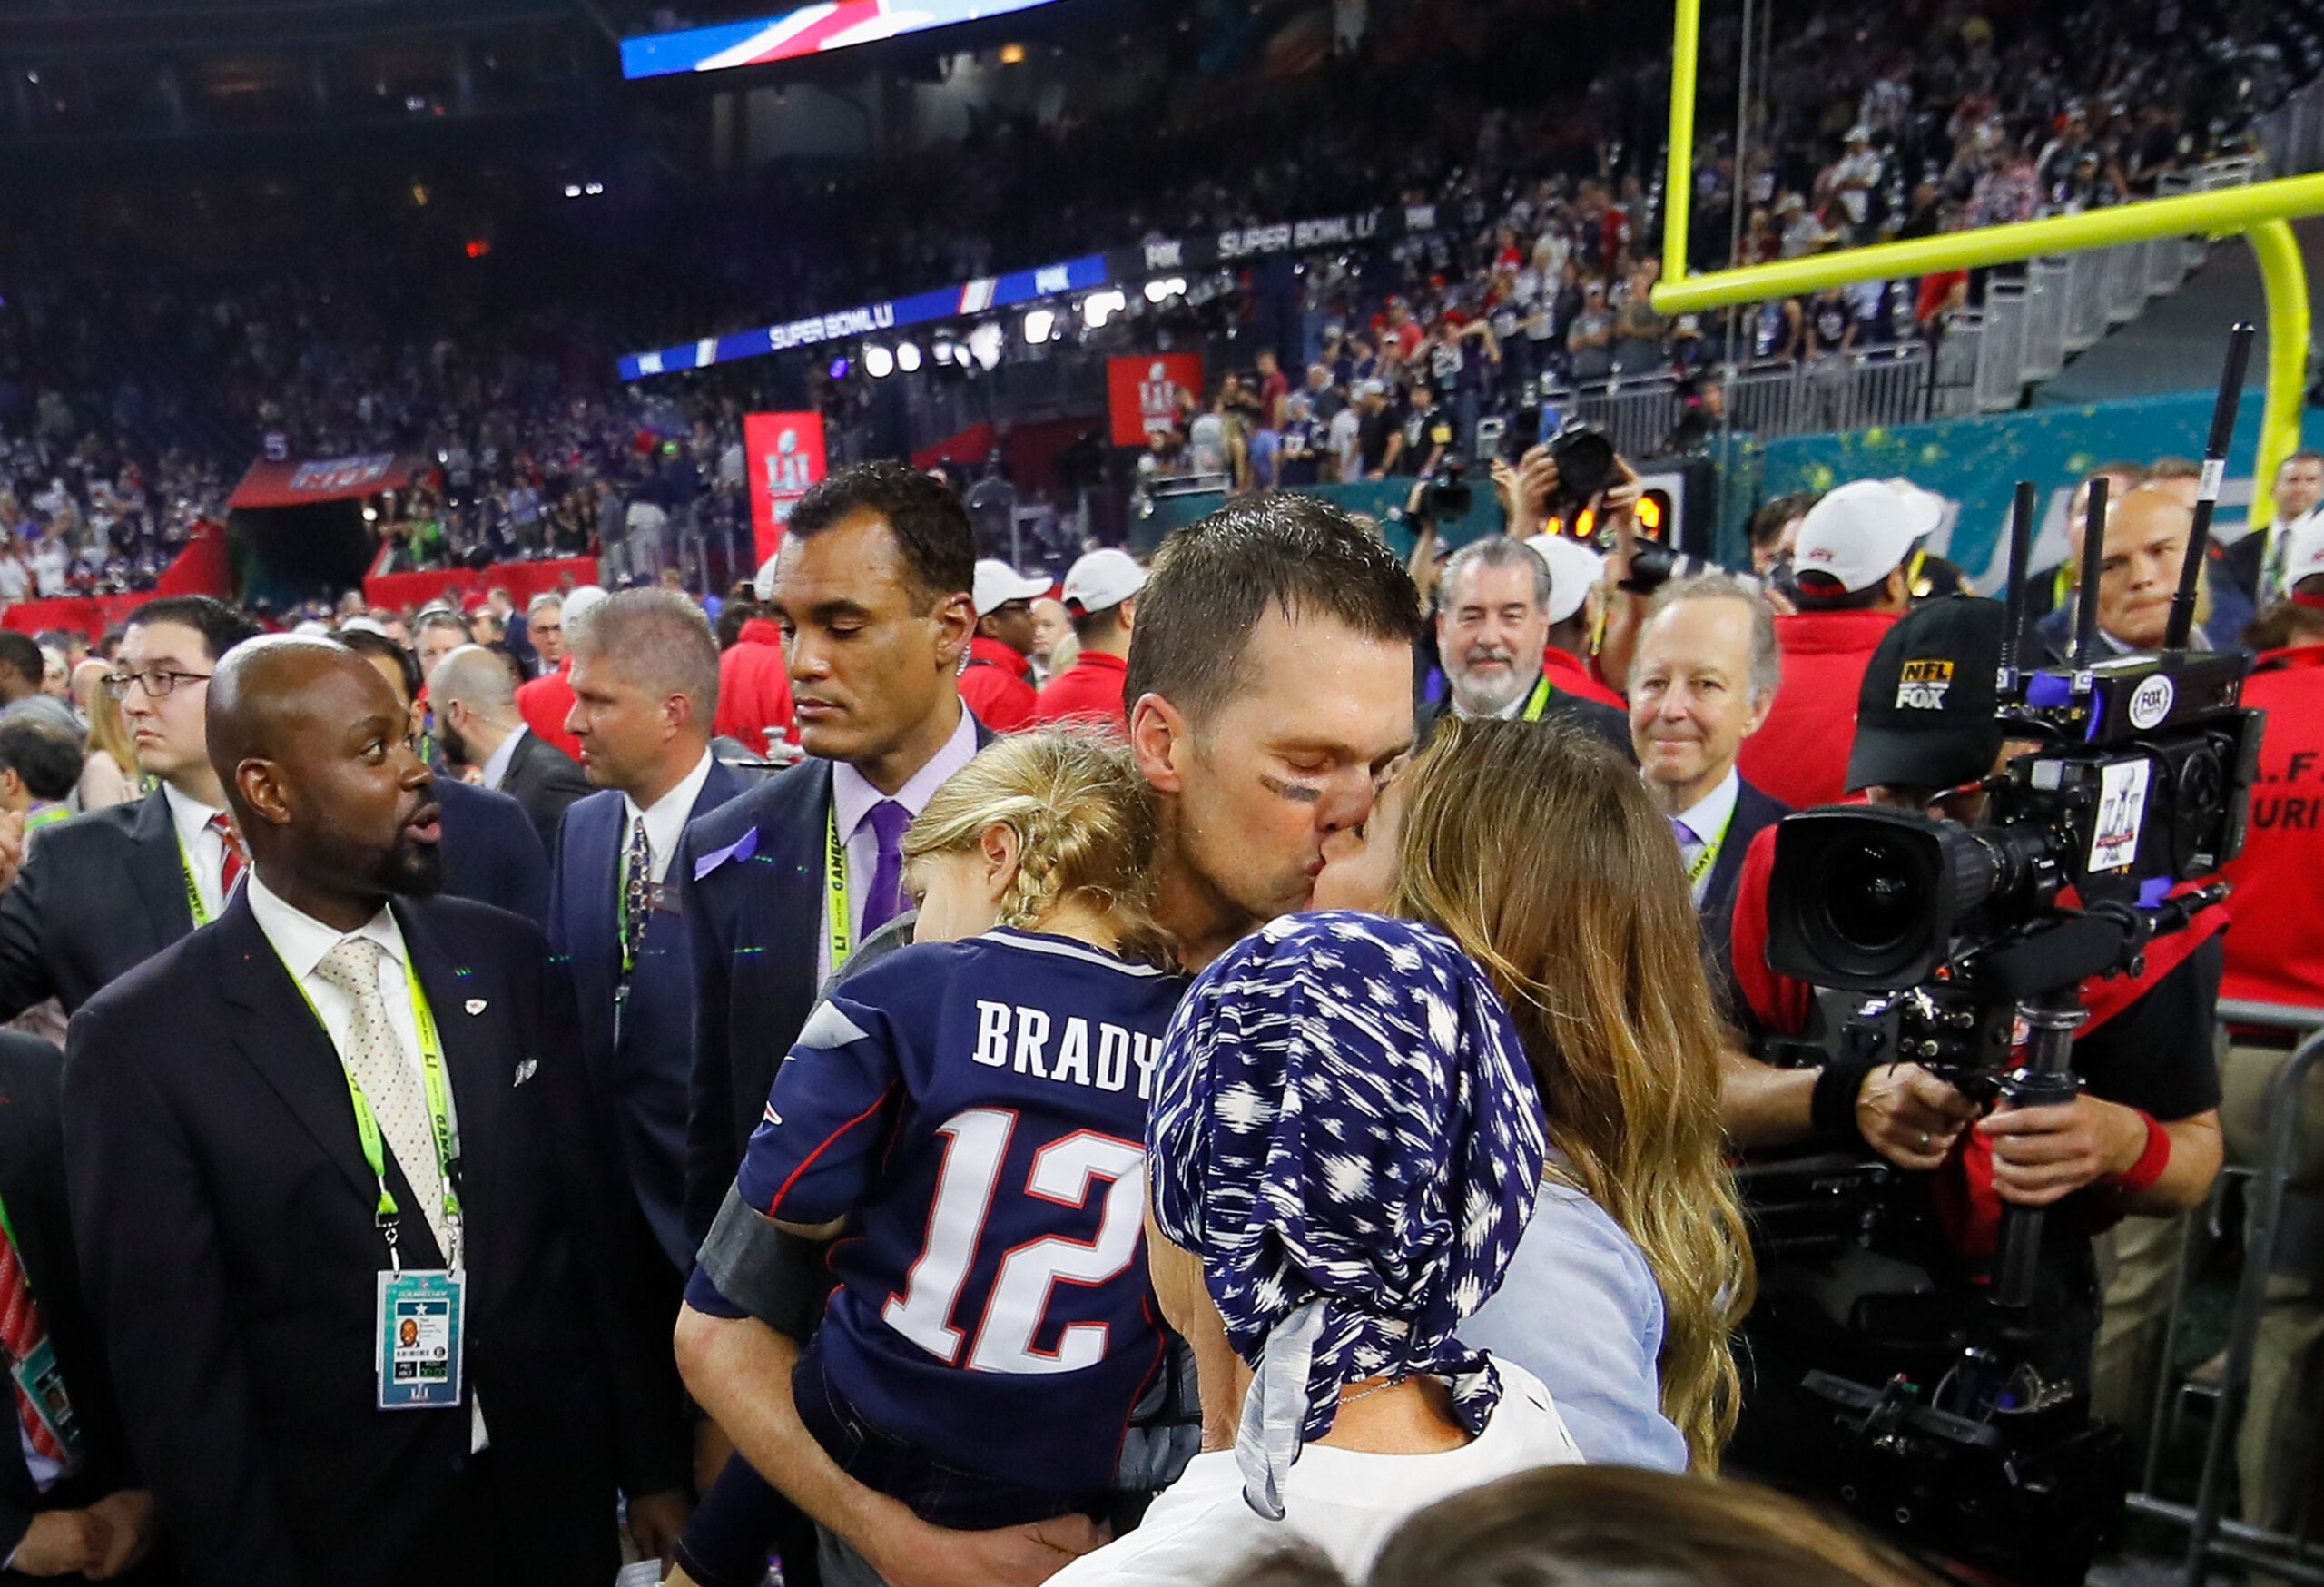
(1343, 1503)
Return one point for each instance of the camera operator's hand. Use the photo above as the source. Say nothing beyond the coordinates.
(2042, 1155)
(1618, 503)
(1525, 500)
(1910, 1117)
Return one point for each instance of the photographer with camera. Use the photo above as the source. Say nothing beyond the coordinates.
(2142, 1136)
(1850, 586)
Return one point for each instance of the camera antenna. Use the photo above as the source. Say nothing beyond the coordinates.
(2093, 558)
(2230, 392)
(2021, 551)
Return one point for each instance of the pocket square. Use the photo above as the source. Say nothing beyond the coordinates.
(476, 1005)
(524, 1071)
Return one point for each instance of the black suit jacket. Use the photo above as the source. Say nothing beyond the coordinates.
(749, 884)
(491, 853)
(1754, 811)
(31, 1185)
(1592, 715)
(545, 780)
(224, 1221)
(644, 1070)
(98, 893)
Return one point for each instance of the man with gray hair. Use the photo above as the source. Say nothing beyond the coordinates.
(644, 685)
(1704, 673)
(477, 723)
(1496, 606)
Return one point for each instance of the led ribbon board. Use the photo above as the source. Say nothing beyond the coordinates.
(808, 30)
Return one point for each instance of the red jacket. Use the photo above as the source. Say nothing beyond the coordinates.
(754, 688)
(1568, 674)
(2275, 954)
(1090, 690)
(1800, 753)
(995, 686)
(545, 704)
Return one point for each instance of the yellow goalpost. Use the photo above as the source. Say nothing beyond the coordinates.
(2261, 213)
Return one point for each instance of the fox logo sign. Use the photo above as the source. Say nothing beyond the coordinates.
(1923, 684)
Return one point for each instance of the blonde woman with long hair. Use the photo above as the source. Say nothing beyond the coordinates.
(109, 774)
(1539, 852)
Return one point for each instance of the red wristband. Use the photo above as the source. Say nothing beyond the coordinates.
(2142, 1174)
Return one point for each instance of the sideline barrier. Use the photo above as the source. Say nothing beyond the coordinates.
(523, 580)
(2212, 1537)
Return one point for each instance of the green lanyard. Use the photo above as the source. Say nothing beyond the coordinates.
(1709, 857)
(1538, 701)
(440, 1122)
(837, 912)
(193, 893)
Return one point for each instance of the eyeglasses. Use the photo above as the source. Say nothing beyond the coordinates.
(158, 681)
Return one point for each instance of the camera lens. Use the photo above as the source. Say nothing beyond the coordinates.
(1875, 895)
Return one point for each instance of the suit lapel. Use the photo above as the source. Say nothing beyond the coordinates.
(284, 1042)
(157, 870)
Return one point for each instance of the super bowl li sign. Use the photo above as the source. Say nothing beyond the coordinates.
(784, 453)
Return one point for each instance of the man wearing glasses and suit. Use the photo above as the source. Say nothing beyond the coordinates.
(105, 892)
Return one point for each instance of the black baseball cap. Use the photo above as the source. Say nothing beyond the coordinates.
(1925, 715)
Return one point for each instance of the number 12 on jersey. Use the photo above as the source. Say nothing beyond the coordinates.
(976, 1145)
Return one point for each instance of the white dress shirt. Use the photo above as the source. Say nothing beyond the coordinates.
(301, 941)
(202, 845)
(852, 797)
(666, 818)
(1707, 818)
(496, 765)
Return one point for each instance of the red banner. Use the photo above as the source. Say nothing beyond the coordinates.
(201, 568)
(785, 454)
(295, 482)
(523, 581)
(1143, 392)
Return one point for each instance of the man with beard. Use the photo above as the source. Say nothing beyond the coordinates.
(342, 1106)
(478, 724)
(1495, 612)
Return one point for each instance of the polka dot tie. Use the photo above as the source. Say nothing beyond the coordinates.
(389, 1078)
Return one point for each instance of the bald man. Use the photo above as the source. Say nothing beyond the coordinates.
(478, 724)
(2147, 532)
(252, 1251)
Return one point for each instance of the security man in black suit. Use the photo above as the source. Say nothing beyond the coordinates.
(349, 1215)
(106, 891)
(874, 593)
(477, 723)
(490, 849)
(1702, 677)
(1498, 606)
(59, 1517)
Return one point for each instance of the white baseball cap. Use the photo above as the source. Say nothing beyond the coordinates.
(1102, 580)
(1861, 531)
(998, 584)
(2304, 552)
(762, 582)
(1574, 571)
(577, 604)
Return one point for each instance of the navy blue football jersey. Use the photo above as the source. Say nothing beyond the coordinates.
(976, 1111)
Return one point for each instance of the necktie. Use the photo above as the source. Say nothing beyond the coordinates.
(21, 1333)
(883, 900)
(636, 879)
(388, 1078)
(1685, 835)
(229, 870)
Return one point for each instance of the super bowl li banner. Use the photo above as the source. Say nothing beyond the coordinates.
(786, 456)
(1144, 392)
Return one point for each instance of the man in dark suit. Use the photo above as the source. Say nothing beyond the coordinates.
(1701, 680)
(236, 1226)
(1497, 608)
(491, 851)
(104, 892)
(475, 702)
(64, 1512)
(645, 693)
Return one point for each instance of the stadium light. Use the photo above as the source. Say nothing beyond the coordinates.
(947, 351)
(1162, 291)
(878, 361)
(1038, 323)
(985, 342)
(1100, 307)
(839, 368)
(572, 189)
(907, 357)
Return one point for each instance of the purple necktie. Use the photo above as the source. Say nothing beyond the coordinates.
(883, 900)
(1685, 834)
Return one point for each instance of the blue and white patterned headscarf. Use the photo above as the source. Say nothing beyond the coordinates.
(1346, 1132)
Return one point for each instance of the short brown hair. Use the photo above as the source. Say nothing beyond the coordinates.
(660, 639)
(1214, 579)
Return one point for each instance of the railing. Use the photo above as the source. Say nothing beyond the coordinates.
(1879, 386)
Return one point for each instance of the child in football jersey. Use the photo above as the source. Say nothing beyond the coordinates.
(966, 1119)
